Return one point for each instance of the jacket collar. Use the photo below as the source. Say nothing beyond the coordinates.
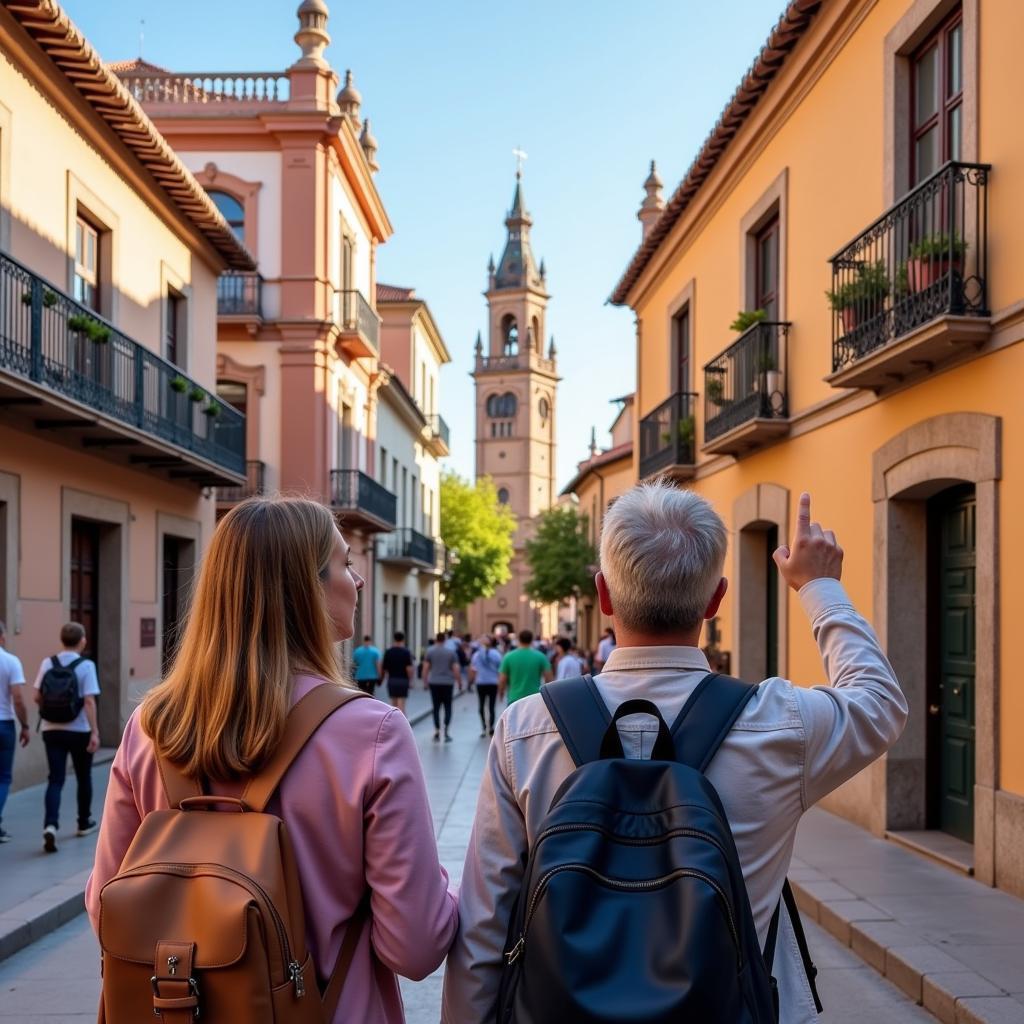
(633, 659)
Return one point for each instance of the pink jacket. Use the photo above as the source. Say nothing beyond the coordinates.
(355, 803)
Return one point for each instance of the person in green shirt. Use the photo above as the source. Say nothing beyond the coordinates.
(523, 670)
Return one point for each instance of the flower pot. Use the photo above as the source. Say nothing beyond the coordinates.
(924, 271)
(774, 380)
(851, 318)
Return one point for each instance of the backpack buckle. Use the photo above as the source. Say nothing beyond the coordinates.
(186, 1002)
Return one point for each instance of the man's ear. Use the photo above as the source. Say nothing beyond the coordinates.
(716, 598)
(604, 598)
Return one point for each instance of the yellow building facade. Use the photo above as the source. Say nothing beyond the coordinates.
(870, 153)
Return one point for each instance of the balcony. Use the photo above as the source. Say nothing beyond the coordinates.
(519, 361)
(357, 322)
(745, 400)
(667, 438)
(911, 291)
(69, 372)
(362, 502)
(409, 549)
(240, 297)
(438, 435)
(255, 472)
(211, 93)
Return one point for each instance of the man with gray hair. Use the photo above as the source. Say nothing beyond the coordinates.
(662, 554)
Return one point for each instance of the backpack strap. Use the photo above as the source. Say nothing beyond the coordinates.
(793, 910)
(580, 714)
(706, 718)
(332, 994)
(78, 661)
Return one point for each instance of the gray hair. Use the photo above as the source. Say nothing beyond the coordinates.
(662, 551)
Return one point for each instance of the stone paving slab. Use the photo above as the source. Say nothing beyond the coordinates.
(950, 943)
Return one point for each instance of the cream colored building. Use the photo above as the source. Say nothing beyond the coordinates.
(412, 436)
(289, 159)
(112, 437)
(516, 386)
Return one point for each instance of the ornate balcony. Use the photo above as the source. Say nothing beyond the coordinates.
(667, 438)
(255, 472)
(358, 323)
(745, 398)
(240, 296)
(207, 92)
(362, 502)
(911, 291)
(438, 435)
(520, 361)
(410, 549)
(66, 370)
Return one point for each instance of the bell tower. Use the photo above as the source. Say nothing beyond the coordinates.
(516, 383)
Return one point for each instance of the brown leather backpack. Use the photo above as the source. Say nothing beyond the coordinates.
(205, 917)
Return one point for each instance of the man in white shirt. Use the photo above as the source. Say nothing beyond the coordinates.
(604, 649)
(569, 666)
(79, 738)
(662, 553)
(12, 707)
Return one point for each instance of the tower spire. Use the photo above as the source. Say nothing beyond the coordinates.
(654, 202)
(517, 267)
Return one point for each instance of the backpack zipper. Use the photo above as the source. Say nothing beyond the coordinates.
(628, 841)
(294, 968)
(624, 885)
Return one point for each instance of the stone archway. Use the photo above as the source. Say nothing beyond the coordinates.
(915, 465)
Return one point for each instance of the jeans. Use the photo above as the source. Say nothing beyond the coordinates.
(8, 739)
(487, 692)
(441, 696)
(59, 743)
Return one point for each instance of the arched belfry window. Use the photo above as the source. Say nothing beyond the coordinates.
(509, 335)
(233, 211)
(503, 495)
(536, 340)
(502, 407)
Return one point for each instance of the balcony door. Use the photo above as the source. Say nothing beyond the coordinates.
(937, 97)
(682, 349)
(766, 269)
(84, 589)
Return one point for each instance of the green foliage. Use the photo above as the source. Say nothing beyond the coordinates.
(212, 409)
(196, 394)
(560, 555)
(746, 319)
(869, 287)
(938, 247)
(477, 530)
(714, 388)
(90, 327)
(766, 361)
(179, 384)
(685, 432)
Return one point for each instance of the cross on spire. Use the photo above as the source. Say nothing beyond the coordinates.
(520, 156)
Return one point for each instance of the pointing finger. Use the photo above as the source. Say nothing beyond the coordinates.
(803, 516)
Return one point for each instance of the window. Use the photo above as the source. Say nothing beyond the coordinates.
(87, 263)
(544, 408)
(681, 343)
(937, 100)
(502, 407)
(232, 211)
(383, 478)
(174, 312)
(347, 260)
(766, 269)
(234, 394)
(509, 335)
(503, 495)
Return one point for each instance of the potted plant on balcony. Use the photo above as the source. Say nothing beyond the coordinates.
(714, 388)
(684, 433)
(196, 394)
(90, 327)
(932, 258)
(178, 384)
(862, 297)
(746, 319)
(212, 409)
(49, 298)
(768, 370)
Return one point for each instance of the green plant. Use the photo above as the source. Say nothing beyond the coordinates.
(746, 319)
(684, 432)
(766, 362)
(179, 384)
(939, 246)
(95, 331)
(714, 388)
(870, 286)
(79, 323)
(211, 409)
(196, 394)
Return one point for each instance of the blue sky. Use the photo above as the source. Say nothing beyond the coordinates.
(591, 90)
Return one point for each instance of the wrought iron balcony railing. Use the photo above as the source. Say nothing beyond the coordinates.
(924, 258)
(239, 294)
(747, 382)
(439, 428)
(667, 435)
(409, 546)
(363, 501)
(255, 472)
(358, 321)
(52, 341)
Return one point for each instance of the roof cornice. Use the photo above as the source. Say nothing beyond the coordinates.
(791, 27)
(620, 453)
(57, 36)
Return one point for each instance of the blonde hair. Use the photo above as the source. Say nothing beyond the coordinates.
(258, 615)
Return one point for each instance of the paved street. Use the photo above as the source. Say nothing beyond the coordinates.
(55, 981)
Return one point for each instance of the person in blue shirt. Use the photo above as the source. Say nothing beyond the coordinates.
(367, 660)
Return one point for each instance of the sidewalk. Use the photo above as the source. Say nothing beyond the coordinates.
(41, 891)
(950, 943)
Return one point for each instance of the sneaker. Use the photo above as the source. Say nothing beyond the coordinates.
(87, 829)
(437, 736)
(492, 730)
(5, 836)
(483, 733)
(50, 839)
(447, 738)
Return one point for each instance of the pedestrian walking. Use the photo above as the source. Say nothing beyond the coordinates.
(66, 688)
(278, 590)
(12, 709)
(523, 670)
(398, 671)
(483, 671)
(368, 665)
(605, 646)
(441, 672)
(662, 553)
(569, 665)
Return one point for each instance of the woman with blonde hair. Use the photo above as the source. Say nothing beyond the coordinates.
(276, 592)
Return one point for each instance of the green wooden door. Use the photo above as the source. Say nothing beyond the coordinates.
(954, 705)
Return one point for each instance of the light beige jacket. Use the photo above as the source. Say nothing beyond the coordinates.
(790, 747)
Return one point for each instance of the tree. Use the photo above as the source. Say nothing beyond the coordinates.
(561, 557)
(477, 529)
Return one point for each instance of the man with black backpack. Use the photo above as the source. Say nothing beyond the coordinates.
(66, 689)
(633, 831)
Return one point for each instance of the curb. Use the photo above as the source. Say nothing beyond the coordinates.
(29, 921)
(925, 972)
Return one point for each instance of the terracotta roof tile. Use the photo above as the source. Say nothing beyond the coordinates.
(394, 293)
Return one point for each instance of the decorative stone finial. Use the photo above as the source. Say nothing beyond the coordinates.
(349, 100)
(369, 144)
(552, 351)
(312, 36)
(478, 348)
(593, 441)
(654, 202)
(543, 270)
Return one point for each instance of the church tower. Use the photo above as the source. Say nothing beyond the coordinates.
(516, 383)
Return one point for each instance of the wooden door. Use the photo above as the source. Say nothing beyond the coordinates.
(85, 580)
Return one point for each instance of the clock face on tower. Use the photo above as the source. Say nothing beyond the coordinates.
(543, 408)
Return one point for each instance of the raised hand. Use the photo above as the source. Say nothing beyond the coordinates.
(813, 554)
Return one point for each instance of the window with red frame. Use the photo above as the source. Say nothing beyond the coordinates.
(937, 99)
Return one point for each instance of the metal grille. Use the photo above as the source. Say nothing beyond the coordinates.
(667, 434)
(352, 489)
